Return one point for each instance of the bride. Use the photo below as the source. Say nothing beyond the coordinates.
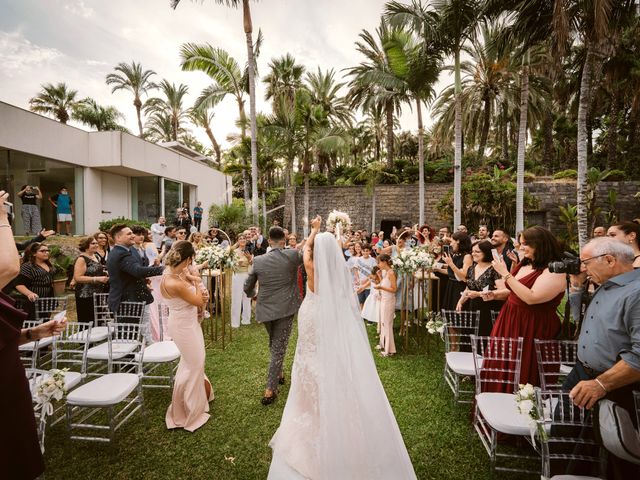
(337, 423)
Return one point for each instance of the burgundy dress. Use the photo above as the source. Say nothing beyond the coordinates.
(517, 319)
(20, 455)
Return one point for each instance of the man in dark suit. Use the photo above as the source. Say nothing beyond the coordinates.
(124, 269)
(278, 301)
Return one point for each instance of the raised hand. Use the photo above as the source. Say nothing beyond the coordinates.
(316, 223)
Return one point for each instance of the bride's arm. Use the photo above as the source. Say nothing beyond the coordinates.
(307, 252)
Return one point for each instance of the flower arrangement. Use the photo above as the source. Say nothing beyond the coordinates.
(528, 405)
(216, 257)
(435, 325)
(408, 261)
(338, 220)
(50, 387)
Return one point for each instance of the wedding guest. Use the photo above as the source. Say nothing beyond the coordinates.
(157, 232)
(444, 233)
(462, 229)
(143, 291)
(89, 277)
(629, 233)
(387, 288)
(183, 221)
(126, 271)
(64, 209)
(599, 232)
(154, 284)
(102, 251)
(481, 277)
(458, 262)
(370, 309)
(500, 240)
(192, 390)
(197, 240)
(197, 215)
(36, 277)
(483, 233)
(532, 296)
(292, 241)
(240, 303)
(41, 237)
(169, 239)
(30, 210)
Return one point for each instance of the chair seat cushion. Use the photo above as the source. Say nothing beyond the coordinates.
(45, 342)
(159, 352)
(120, 349)
(107, 390)
(501, 412)
(97, 334)
(461, 363)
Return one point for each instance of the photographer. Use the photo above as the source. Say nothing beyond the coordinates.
(609, 343)
(30, 211)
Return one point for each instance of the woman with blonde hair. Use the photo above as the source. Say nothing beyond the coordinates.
(240, 303)
(192, 390)
(197, 240)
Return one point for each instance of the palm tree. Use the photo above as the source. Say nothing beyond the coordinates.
(56, 100)
(227, 78)
(457, 19)
(203, 118)
(248, 31)
(284, 78)
(99, 117)
(172, 105)
(134, 79)
(364, 92)
(159, 128)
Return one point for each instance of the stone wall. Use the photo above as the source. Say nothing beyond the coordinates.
(400, 203)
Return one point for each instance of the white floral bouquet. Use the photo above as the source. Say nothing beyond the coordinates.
(338, 221)
(50, 387)
(216, 257)
(411, 260)
(435, 325)
(528, 405)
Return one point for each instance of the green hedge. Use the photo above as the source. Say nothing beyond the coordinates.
(106, 225)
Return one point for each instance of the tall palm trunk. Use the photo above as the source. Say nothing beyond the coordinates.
(138, 104)
(457, 162)
(389, 112)
(291, 194)
(264, 210)
(248, 30)
(548, 159)
(243, 135)
(485, 127)
(505, 134)
(420, 162)
(612, 136)
(522, 143)
(216, 145)
(373, 206)
(583, 111)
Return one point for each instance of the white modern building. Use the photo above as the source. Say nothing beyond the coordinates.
(108, 174)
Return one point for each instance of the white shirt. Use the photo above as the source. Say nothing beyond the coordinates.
(157, 234)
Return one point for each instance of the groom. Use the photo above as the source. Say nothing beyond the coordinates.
(277, 303)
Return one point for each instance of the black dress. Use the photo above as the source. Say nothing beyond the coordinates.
(487, 279)
(84, 291)
(454, 286)
(39, 281)
(20, 455)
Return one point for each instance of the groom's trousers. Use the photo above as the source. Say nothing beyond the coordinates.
(279, 331)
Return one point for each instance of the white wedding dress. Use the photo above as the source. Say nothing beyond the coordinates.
(337, 423)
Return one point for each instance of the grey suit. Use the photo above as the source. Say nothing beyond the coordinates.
(278, 301)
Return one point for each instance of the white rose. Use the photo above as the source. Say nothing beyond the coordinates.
(525, 407)
(528, 390)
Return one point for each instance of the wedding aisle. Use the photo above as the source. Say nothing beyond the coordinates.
(234, 443)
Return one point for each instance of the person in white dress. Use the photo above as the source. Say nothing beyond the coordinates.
(337, 423)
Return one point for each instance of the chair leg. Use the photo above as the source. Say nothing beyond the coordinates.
(141, 403)
(111, 424)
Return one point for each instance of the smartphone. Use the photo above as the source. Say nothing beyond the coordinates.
(60, 316)
(446, 249)
(496, 256)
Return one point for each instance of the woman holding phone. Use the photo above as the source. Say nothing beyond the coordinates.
(458, 260)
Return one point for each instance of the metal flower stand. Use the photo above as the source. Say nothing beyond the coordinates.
(215, 327)
(416, 303)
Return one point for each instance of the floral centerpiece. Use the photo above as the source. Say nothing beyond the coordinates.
(216, 257)
(338, 222)
(435, 325)
(528, 406)
(411, 260)
(51, 387)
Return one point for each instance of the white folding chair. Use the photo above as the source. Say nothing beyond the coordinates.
(118, 394)
(158, 354)
(494, 316)
(556, 359)
(99, 354)
(48, 306)
(458, 328)
(569, 436)
(102, 315)
(30, 351)
(35, 377)
(497, 360)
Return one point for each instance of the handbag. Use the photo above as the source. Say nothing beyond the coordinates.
(614, 429)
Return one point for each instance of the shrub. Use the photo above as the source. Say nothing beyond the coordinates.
(232, 219)
(570, 173)
(106, 225)
(616, 176)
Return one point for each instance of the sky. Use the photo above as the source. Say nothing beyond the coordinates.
(80, 41)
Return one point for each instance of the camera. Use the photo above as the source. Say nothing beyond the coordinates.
(569, 264)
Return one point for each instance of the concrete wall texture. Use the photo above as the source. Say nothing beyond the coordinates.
(400, 203)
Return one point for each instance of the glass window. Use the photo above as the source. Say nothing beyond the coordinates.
(146, 198)
(172, 198)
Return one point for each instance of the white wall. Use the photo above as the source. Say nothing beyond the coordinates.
(116, 196)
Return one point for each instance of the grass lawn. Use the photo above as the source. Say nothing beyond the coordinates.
(234, 443)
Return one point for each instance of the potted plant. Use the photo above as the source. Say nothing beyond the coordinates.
(62, 264)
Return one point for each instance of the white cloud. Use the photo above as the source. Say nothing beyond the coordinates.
(78, 7)
(18, 55)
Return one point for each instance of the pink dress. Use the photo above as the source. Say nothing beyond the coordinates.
(189, 404)
(387, 306)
